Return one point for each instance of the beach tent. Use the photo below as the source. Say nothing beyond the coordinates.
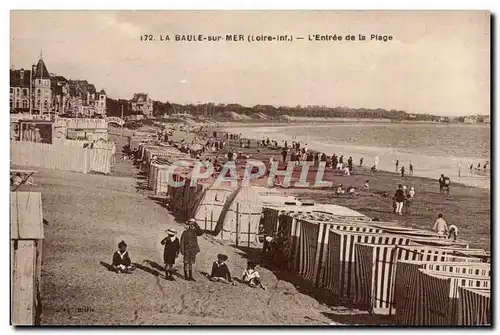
(339, 274)
(474, 306)
(407, 231)
(26, 244)
(441, 294)
(240, 219)
(340, 211)
(311, 263)
(210, 207)
(158, 178)
(438, 242)
(408, 298)
(271, 215)
(375, 268)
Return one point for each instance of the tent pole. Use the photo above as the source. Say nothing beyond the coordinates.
(211, 219)
(237, 221)
(249, 217)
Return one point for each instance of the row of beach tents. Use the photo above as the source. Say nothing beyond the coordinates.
(415, 275)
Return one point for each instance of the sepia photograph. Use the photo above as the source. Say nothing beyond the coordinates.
(250, 168)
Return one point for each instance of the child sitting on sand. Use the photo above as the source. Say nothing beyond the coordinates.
(121, 259)
(251, 276)
(220, 272)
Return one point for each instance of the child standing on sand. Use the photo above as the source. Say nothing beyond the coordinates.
(189, 247)
(171, 252)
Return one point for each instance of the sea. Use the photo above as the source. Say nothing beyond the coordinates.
(432, 148)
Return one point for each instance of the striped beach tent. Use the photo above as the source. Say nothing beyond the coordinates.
(376, 266)
(405, 300)
(272, 215)
(438, 242)
(410, 232)
(474, 306)
(408, 298)
(441, 292)
(340, 271)
(435, 253)
(309, 246)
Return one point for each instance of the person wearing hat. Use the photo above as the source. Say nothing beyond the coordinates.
(121, 259)
(251, 276)
(220, 271)
(189, 247)
(170, 252)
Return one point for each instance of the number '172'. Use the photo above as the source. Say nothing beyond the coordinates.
(146, 37)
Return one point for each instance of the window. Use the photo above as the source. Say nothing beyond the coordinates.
(12, 90)
(17, 104)
(25, 91)
(38, 91)
(18, 90)
(25, 104)
(11, 103)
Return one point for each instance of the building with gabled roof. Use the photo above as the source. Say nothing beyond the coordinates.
(141, 103)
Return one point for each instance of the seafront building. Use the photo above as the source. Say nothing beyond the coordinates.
(141, 103)
(39, 92)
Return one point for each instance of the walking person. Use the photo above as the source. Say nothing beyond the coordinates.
(399, 197)
(397, 165)
(402, 172)
(170, 252)
(411, 169)
(189, 247)
(459, 166)
(361, 162)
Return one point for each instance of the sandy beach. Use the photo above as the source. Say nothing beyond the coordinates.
(428, 166)
(87, 215)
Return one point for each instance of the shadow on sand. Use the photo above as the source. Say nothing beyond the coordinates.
(342, 312)
(107, 266)
(159, 200)
(364, 319)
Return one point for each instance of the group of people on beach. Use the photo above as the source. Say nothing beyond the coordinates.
(402, 170)
(188, 247)
(403, 198)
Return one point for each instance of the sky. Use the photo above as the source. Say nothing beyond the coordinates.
(437, 62)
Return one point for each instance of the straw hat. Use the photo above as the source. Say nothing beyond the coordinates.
(171, 231)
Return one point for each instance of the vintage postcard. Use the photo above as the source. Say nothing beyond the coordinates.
(250, 168)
